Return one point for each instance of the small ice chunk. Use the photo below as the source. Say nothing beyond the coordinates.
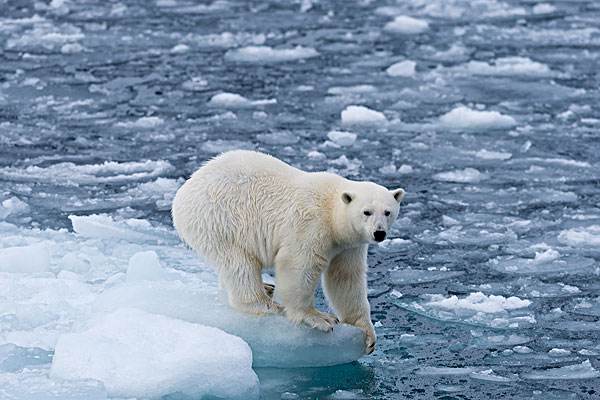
(105, 227)
(268, 55)
(145, 266)
(479, 302)
(234, 100)
(25, 259)
(467, 175)
(543, 8)
(493, 155)
(464, 118)
(489, 376)
(404, 69)
(195, 84)
(405, 169)
(585, 370)
(581, 237)
(522, 349)
(559, 352)
(361, 115)
(342, 138)
(406, 25)
(142, 123)
(445, 371)
(137, 354)
(180, 48)
(12, 206)
(546, 256)
(509, 66)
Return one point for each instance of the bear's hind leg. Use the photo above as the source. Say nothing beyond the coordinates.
(242, 280)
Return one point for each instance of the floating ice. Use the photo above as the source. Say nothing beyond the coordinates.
(445, 371)
(548, 262)
(25, 259)
(479, 302)
(467, 175)
(406, 25)
(234, 100)
(342, 138)
(585, 370)
(134, 230)
(493, 155)
(476, 309)
(543, 8)
(142, 123)
(581, 237)
(281, 345)
(404, 69)
(415, 276)
(488, 375)
(34, 384)
(509, 66)
(88, 174)
(137, 354)
(361, 115)
(268, 55)
(463, 118)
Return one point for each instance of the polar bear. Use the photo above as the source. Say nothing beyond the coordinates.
(244, 211)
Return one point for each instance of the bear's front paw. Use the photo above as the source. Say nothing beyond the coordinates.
(315, 319)
(370, 336)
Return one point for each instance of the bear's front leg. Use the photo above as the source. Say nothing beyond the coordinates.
(345, 284)
(297, 278)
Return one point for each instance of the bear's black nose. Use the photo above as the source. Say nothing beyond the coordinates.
(379, 236)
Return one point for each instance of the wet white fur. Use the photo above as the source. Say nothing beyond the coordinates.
(244, 211)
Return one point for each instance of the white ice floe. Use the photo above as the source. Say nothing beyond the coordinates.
(508, 66)
(361, 115)
(581, 237)
(467, 175)
(493, 155)
(405, 69)
(67, 173)
(410, 276)
(180, 48)
(543, 8)
(25, 259)
(464, 118)
(479, 302)
(12, 206)
(475, 309)
(585, 370)
(342, 138)
(269, 55)
(226, 39)
(406, 25)
(234, 100)
(138, 354)
(142, 123)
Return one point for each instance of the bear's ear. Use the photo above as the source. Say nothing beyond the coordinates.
(398, 194)
(347, 197)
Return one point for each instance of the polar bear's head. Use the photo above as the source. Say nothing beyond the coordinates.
(370, 209)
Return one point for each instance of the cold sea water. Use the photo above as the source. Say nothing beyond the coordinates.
(485, 111)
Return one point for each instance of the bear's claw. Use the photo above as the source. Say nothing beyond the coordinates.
(270, 289)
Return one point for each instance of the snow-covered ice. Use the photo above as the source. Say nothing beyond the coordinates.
(464, 118)
(137, 354)
(267, 55)
(361, 115)
(406, 25)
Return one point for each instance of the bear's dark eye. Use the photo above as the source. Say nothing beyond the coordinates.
(367, 213)
(387, 213)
